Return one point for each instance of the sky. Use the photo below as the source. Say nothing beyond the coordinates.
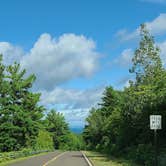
(77, 47)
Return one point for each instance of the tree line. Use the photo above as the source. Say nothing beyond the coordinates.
(120, 124)
(23, 122)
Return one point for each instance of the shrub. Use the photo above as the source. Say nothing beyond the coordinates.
(162, 160)
(6, 156)
(44, 141)
(144, 154)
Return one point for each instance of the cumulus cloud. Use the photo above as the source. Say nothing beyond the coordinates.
(75, 117)
(156, 27)
(71, 98)
(124, 59)
(74, 104)
(56, 61)
(163, 52)
(125, 35)
(10, 52)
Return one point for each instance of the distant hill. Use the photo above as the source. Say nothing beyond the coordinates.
(76, 130)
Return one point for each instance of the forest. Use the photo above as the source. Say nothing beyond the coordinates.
(24, 123)
(120, 125)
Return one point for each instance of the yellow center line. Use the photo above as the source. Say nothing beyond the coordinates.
(48, 162)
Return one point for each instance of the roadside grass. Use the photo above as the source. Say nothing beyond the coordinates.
(6, 163)
(99, 159)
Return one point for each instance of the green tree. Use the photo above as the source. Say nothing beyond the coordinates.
(55, 124)
(20, 114)
(121, 125)
(72, 141)
(93, 131)
(146, 61)
(44, 141)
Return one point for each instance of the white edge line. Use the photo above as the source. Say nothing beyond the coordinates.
(54, 158)
(87, 160)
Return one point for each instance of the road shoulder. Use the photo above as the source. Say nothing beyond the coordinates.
(99, 159)
(6, 163)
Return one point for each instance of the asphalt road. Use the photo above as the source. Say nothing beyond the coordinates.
(70, 159)
(74, 158)
(37, 160)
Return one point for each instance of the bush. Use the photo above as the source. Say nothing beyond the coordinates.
(144, 154)
(114, 149)
(44, 141)
(162, 159)
(71, 141)
(26, 152)
(6, 156)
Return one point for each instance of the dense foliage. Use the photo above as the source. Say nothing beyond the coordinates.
(72, 141)
(8, 156)
(63, 138)
(23, 122)
(19, 113)
(120, 126)
(55, 124)
(44, 141)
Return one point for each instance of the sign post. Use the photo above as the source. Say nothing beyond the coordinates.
(155, 124)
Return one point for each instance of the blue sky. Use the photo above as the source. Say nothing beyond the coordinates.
(77, 47)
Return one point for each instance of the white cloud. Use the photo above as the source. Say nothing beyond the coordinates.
(56, 61)
(71, 98)
(74, 104)
(125, 58)
(10, 53)
(75, 117)
(163, 51)
(155, 1)
(156, 27)
(124, 35)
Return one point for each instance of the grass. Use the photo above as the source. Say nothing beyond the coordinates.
(6, 163)
(102, 160)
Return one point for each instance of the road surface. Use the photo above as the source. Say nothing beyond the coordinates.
(37, 160)
(74, 158)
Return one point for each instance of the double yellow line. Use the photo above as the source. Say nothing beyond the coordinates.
(48, 162)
